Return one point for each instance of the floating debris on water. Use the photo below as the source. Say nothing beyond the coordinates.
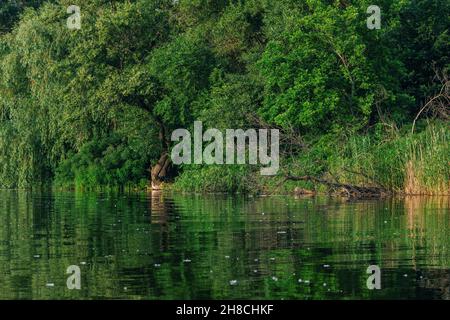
(233, 282)
(274, 278)
(326, 265)
(186, 260)
(50, 284)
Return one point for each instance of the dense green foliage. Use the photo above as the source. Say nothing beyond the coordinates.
(10, 11)
(96, 106)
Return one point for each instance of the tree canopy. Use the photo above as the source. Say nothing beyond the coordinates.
(97, 105)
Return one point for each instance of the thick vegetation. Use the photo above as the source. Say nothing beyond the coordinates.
(95, 107)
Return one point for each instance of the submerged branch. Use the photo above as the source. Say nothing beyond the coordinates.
(348, 189)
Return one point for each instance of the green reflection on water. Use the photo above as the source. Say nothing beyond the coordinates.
(156, 246)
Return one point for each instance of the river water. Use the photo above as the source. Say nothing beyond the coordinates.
(172, 246)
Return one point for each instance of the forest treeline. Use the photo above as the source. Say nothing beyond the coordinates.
(95, 107)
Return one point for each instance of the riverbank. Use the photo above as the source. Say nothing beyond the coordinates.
(396, 161)
(392, 162)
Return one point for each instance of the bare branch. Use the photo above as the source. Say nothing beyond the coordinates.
(440, 102)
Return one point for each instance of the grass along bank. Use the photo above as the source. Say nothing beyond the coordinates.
(398, 161)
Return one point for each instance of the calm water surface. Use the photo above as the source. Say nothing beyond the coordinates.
(160, 246)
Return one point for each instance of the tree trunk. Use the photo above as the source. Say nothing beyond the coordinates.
(159, 172)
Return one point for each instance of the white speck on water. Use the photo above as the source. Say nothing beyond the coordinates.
(324, 284)
(405, 275)
(307, 281)
(281, 232)
(326, 265)
(227, 257)
(255, 271)
(186, 260)
(256, 260)
(272, 259)
(385, 221)
(36, 256)
(300, 280)
(233, 282)
(49, 284)
(125, 288)
(83, 263)
(157, 265)
(274, 278)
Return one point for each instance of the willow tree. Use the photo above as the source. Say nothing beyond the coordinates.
(82, 86)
